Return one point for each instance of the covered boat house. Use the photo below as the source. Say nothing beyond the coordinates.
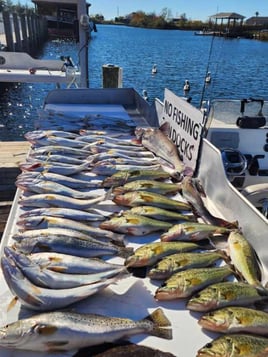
(228, 23)
(61, 16)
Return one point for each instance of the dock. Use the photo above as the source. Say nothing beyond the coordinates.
(11, 155)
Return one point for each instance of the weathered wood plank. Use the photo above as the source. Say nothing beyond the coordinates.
(11, 155)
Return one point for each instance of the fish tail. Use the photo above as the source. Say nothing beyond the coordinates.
(125, 252)
(161, 324)
(109, 195)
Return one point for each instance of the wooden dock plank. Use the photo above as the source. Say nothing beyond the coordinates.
(12, 153)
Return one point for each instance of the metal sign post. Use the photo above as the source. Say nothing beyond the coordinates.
(83, 42)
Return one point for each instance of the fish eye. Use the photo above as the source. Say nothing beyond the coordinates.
(209, 345)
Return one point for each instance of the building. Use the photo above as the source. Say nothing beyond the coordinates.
(61, 16)
(257, 21)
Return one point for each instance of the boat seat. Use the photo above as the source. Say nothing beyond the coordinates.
(23, 61)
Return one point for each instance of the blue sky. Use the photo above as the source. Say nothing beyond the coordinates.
(194, 9)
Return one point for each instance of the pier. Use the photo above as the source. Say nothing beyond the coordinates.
(12, 153)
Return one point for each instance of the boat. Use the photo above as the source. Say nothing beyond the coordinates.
(239, 129)
(61, 16)
(118, 109)
(204, 33)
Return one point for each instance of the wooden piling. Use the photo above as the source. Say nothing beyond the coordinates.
(111, 76)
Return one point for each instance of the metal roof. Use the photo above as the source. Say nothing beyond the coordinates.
(60, 2)
(228, 15)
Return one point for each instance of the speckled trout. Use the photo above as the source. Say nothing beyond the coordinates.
(63, 331)
(43, 299)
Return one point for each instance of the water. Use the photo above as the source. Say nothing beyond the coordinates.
(239, 69)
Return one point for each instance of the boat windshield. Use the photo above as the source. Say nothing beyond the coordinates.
(228, 111)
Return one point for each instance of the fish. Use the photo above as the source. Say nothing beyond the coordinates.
(229, 293)
(244, 258)
(74, 214)
(70, 245)
(162, 214)
(50, 232)
(68, 330)
(133, 224)
(234, 319)
(137, 198)
(97, 149)
(116, 160)
(185, 283)
(71, 264)
(43, 222)
(174, 263)
(193, 192)
(69, 181)
(122, 177)
(109, 144)
(40, 166)
(43, 187)
(163, 188)
(46, 200)
(42, 133)
(60, 150)
(51, 139)
(50, 279)
(157, 141)
(43, 299)
(56, 158)
(107, 169)
(118, 141)
(149, 254)
(234, 345)
(193, 231)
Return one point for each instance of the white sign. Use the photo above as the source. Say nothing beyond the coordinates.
(185, 123)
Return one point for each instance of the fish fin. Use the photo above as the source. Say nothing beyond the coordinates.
(165, 128)
(161, 323)
(58, 269)
(46, 330)
(109, 195)
(198, 186)
(12, 303)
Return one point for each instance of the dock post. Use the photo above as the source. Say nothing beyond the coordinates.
(111, 76)
(83, 43)
(25, 40)
(8, 31)
(18, 44)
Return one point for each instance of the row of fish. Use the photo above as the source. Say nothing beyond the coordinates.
(65, 214)
(59, 241)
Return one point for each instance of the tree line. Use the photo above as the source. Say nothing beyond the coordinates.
(17, 7)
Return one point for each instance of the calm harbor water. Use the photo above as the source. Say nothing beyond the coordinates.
(239, 69)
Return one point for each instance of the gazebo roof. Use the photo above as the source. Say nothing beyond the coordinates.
(228, 15)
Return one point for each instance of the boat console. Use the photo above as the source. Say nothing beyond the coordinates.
(239, 129)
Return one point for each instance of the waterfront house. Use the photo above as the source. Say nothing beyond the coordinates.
(61, 17)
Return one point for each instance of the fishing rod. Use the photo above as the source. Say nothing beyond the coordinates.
(204, 84)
